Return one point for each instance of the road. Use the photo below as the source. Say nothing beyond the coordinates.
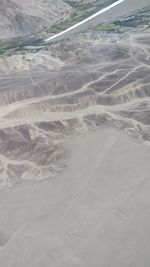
(117, 10)
(85, 20)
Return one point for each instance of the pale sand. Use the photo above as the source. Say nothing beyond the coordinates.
(96, 214)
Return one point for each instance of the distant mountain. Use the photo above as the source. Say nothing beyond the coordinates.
(24, 17)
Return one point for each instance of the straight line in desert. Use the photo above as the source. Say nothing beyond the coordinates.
(84, 21)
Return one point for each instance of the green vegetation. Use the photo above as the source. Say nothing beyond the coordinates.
(79, 13)
(140, 19)
(82, 11)
(18, 44)
(106, 27)
(71, 3)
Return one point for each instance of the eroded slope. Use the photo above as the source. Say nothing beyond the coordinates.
(42, 109)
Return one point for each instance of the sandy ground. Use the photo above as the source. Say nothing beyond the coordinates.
(126, 8)
(40, 108)
(93, 214)
(74, 158)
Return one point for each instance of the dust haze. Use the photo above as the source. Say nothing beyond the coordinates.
(74, 152)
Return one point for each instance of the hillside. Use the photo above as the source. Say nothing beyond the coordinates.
(19, 18)
(25, 17)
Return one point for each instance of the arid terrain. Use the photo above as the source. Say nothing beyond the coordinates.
(75, 145)
(19, 18)
(105, 83)
(26, 17)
